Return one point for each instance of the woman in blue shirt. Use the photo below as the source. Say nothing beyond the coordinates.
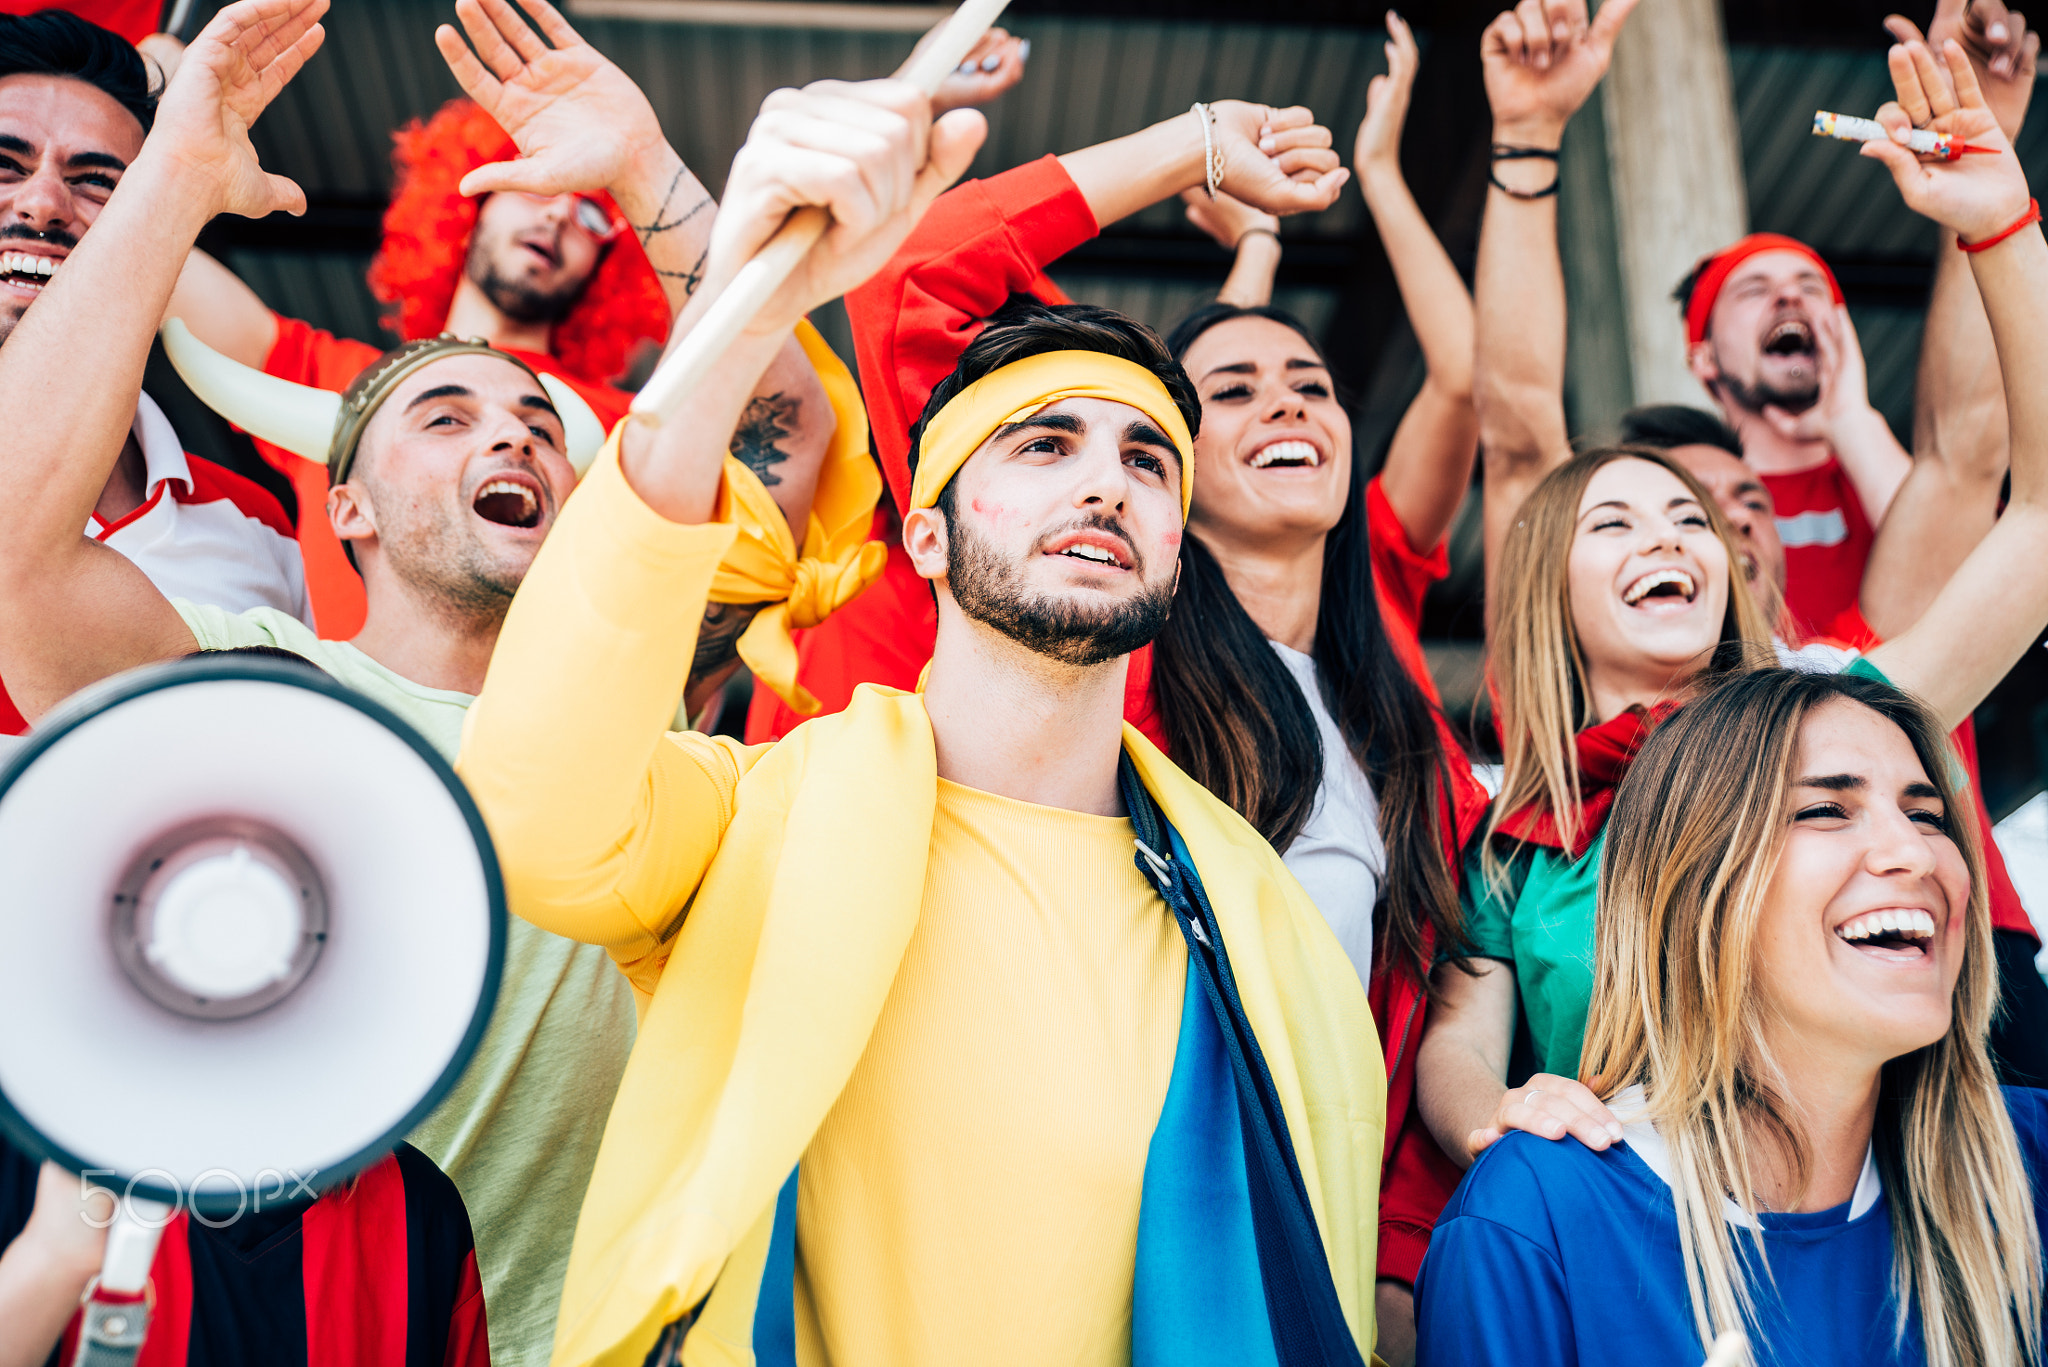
(1794, 987)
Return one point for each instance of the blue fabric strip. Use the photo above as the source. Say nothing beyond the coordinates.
(775, 1306)
(1197, 1297)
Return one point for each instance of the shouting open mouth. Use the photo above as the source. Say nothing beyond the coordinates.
(509, 501)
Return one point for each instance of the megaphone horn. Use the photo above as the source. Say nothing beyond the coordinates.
(251, 933)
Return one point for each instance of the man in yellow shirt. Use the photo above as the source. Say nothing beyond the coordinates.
(972, 1030)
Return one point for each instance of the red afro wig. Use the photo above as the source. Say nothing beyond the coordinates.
(426, 246)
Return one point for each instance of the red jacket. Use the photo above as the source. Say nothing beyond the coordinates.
(981, 243)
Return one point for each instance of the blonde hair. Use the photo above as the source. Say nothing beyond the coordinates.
(1541, 681)
(1692, 848)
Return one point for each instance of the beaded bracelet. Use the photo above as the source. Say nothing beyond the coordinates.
(1212, 160)
(2032, 215)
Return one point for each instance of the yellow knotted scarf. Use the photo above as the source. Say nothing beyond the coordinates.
(780, 972)
(837, 559)
(1021, 388)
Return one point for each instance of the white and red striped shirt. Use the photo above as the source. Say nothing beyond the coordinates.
(203, 533)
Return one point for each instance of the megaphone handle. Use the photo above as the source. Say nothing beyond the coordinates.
(116, 1311)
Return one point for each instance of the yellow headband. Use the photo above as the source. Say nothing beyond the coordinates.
(1022, 388)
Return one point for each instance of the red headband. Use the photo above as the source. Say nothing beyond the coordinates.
(1718, 267)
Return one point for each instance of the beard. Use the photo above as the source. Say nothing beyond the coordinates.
(990, 590)
(517, 299)
(444, 561)
(1793, 398)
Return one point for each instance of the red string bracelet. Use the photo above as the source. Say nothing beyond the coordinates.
(2032, 215)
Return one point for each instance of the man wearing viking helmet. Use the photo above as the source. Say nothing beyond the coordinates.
(427, 448)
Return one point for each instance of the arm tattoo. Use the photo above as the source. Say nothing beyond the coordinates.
(692, 277)
(765, 422)
(718, 638)
(662, 225)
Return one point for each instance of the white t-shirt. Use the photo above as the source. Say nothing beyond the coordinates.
(204, 533)
(1339, 856)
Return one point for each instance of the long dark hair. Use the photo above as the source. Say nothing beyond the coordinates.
(1237, 722)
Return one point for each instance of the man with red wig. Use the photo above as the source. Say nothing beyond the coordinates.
(573, 283)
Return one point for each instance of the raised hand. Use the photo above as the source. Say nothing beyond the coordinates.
(1973, 196)
(1378, 145)
(869, 154)
(579, 122)
(991, 67)
(1279, 160)
(1542, 60)
(1844, 385)
(2003, 51)
(1226, 219)
(228, 77)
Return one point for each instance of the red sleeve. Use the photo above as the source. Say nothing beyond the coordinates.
(469, 1339)
(306, 355)
(1402, 575)
(980, 243)
(134, 20)
(2008, 912)
(1418, 1184)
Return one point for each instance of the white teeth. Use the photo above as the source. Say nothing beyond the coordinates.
(1917, 925)
(1642, 587)
(506, 486)
(1094, 553)
(25, 263)
(1291, 452)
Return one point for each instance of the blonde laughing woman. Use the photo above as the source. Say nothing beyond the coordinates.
(1794, 988)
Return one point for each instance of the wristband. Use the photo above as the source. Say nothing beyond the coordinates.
(2032, 215)
(1503, 151)
(1249, 231)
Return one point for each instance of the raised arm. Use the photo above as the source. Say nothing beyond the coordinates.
(1429, 466)
(580, 123)
(1535, 81)
(1278, 160)
(1251, 236)
(603, 823)
(73, 611)
(1996, 604)
(1950, 498)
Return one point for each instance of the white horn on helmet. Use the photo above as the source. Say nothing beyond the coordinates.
(297, 417)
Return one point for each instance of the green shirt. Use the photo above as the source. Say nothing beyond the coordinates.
(1539, 920)
(519, 1133)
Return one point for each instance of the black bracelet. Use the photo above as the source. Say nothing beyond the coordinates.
(1249, 231)
(1545, 193)
(1507, 152)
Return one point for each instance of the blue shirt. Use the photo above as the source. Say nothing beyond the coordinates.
(1551, 1255)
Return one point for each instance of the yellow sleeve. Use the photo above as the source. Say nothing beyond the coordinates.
(603, 821)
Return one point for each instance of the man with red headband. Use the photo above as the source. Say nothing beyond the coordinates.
(573, 283)
(1769, 336)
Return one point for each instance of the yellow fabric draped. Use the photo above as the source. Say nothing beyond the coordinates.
(1021, 388)
(836, 561)
(781, 968)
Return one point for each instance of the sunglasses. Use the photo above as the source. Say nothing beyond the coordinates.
(589, 215)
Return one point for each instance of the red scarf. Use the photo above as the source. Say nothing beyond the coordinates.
(1604, 755)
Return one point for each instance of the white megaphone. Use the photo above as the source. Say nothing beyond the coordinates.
(251, 930)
